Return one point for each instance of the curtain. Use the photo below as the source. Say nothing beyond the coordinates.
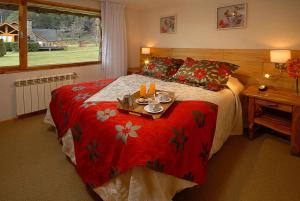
(114, 45)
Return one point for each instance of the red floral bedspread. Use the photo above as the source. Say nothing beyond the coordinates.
(108, 143)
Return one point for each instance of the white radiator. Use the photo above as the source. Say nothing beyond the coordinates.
(34, 94)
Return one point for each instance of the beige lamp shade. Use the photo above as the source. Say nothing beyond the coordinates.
(280, 56)
(145, 50)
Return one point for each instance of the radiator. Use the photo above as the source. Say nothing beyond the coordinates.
(34, 94)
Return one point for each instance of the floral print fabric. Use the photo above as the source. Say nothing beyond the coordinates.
(213, 75)
(162, 67)
(106, 114)
(127, 130)
(108, 143)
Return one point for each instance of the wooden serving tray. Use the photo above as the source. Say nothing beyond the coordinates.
(138, 109)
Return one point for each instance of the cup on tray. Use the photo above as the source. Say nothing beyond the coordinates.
(163, 97)
(154, 105)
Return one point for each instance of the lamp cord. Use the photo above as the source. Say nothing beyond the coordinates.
(297, 86)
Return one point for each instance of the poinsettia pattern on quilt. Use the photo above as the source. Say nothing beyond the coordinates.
(68, 110)
(108, 143)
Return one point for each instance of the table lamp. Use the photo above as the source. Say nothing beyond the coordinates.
(280, 57)
(146, 51)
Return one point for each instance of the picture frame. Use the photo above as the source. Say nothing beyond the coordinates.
(232, 16)
(168, 24)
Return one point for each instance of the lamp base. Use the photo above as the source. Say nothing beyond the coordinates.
(281, 67)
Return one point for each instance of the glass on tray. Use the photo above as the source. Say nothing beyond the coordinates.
(143, 90)
(152, 89)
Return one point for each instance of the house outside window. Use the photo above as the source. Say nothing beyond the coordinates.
(9, 33)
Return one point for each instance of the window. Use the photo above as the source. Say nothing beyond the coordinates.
(57, 35)
(9, 35)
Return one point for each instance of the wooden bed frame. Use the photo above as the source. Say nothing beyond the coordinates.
(253, 63)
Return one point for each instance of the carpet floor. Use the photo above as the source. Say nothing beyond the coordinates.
(33, 168)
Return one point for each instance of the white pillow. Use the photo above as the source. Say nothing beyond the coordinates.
(235, 85)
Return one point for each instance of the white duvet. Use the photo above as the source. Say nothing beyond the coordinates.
(142, 184)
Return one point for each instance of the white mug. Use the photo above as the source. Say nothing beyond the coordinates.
(154, 105)
(163, 96)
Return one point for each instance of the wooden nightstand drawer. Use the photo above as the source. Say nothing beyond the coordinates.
(276, 109)
(274, 105)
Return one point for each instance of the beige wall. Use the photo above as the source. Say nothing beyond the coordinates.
(271, 24)
(134, 39)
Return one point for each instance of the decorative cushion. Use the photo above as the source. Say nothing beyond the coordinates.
(162, 67)
(212, 75)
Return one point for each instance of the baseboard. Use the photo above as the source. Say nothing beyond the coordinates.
(24, 116)
(32, 114)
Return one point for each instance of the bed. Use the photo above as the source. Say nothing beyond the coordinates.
(143, 182)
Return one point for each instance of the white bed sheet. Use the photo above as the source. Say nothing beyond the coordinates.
(142, 184)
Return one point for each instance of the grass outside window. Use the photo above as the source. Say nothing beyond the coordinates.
(72, 54)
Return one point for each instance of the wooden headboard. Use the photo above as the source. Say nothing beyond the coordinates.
(253, 63)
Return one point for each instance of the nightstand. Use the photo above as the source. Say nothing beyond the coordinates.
(276, 109)
(133, 70)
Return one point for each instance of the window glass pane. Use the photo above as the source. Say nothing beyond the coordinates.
(57, 37)
(9, 35)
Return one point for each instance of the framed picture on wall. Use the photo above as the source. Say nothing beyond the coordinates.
(233, 16)
(168, 24)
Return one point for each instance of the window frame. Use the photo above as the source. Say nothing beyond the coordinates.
(23, 57)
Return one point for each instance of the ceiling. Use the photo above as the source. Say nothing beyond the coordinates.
(144, 4)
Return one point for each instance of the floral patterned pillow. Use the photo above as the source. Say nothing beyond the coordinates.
(212, 75)
(177, 63)
(162, 67)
